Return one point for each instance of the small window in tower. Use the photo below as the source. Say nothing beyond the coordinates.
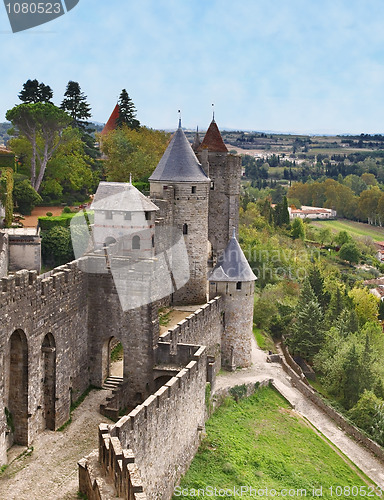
(185, 229)
(136, 243)
(153, 241)
(108, 214)
(212, 185)
(127, 216)
(238, 285)
(147, 215)
(193, 189)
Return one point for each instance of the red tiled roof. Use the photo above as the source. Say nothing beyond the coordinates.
(111, 123)
(213, 140)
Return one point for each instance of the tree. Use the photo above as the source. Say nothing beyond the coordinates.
(325, 235)
(316, 281)
(364, 411)
(350, 252)
(307, 336)
(6, 198)
(298, 229)
(127, 112)
(34, 92)
(135, 152)
(25, 196)
(285, 212)
(366, 305)
(42, 124)
(342, 237)
(352, 381)
(75, 104)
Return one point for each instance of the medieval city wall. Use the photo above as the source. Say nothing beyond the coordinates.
(43, 327)
(164, 432)
(202, 327)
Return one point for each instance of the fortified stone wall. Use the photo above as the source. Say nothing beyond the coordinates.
(43, 345)
(204, 326)
(3, 254)
(164, 432)
(237, 321)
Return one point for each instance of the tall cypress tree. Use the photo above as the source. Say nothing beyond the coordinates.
(75, 104)
(285, 212)
(127, 112)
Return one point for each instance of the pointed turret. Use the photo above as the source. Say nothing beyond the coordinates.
(213, 140)
(232, 265)
(112, 122)
(234, 280)
(179, 163)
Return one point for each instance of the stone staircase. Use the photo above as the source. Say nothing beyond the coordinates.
(112, 383)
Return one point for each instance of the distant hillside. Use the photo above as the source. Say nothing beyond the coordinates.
(3, 132)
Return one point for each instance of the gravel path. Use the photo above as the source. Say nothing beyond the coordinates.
(262, 370)
(50, 472)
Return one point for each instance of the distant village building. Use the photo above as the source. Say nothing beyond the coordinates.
(306, 212)
(378, 289)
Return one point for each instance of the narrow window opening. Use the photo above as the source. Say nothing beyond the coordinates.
(193, 189)
(238, 285)
(108, 214)
(185, 229)
(212, 185)
(147, 215)
(128, 216)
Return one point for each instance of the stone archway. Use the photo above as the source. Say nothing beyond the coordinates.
(48, 351)
(17, 408)
(112, 358)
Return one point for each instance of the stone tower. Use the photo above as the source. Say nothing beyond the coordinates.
(233, 278)
(224, 170)
(179, 187)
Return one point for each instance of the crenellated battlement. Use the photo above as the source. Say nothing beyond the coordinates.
(143, 453)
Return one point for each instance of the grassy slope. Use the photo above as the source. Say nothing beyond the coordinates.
(261, 442)
(355, 228)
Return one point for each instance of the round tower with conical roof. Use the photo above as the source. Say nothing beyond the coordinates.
(234, 280)
(224, 194)
(179, 187)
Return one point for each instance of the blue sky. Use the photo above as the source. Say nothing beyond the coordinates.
(313, 66)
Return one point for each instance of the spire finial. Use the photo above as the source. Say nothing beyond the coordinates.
(179, 118)
(130, 179)
(234, 232)
(213, 112)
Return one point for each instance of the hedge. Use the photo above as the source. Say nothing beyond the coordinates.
(49, 222)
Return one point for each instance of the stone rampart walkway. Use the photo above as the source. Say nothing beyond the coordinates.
(261, 370)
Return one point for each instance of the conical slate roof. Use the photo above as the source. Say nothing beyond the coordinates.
(232, 266)
(179, 162)
(111, 123)
(213, 140)
(121, 196)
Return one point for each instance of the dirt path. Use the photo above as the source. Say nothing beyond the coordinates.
(31, 220)
(50, 472)
(262, 370)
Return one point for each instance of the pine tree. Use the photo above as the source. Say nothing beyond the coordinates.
(75, 104)
(307, 336)
(127, 112)
(316, 281)
(33, 92)
(352, 378)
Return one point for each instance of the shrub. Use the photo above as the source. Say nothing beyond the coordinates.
(49, 214)
(56, 246)
(67, 210)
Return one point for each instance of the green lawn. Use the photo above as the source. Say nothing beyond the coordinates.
(264, 341)
(260, 442)
(355, 228)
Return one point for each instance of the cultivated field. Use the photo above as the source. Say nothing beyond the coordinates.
(354, 228)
